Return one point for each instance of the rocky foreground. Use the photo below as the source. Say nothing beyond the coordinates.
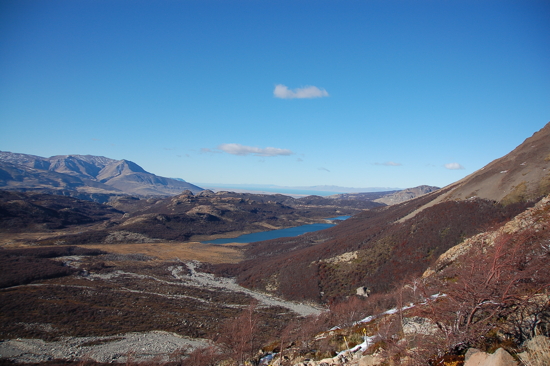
(158, 345)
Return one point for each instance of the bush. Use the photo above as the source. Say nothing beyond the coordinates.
(23, 266)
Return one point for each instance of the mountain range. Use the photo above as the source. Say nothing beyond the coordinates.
(84, 176)
(324, 190)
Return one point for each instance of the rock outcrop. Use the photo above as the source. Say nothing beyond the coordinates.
(475, 357)
(405, 195)
(532, 218)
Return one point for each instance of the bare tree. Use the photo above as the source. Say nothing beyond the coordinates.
(345, 313)
(493, 288)
(205, 356)
(238, 335)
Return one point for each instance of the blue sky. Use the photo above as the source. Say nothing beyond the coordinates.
(296, 93)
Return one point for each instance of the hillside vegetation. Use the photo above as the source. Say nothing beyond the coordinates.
(488, 293)
(372, 249)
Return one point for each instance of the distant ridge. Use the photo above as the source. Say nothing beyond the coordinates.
(405, 195)
(323, 190)
(84, 174)
(387, 197)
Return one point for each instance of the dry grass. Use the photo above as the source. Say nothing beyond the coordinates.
(194, 250)
(21, 240)
(538, 353)
(208, 253)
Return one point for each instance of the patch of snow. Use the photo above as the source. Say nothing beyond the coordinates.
(367, 319)
(267, 359)
(395, 310)
(368, 341)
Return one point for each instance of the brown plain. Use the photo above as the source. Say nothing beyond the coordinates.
(215, 254)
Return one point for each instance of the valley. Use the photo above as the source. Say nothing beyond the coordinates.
(124, 270)
(465, 266)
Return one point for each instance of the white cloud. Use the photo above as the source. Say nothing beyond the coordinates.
(325, 169)
(391, 163)
(454, 166)
(282, 91)
(238, 149)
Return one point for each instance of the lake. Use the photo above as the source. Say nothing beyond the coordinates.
(276, 234)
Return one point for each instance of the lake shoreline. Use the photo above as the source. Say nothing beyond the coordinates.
(277, 234)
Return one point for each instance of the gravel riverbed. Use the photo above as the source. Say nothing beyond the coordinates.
(157, 345)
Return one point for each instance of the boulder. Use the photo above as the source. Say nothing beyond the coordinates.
(362, 291)
(370, 360)
(475, 357)
(419, 325)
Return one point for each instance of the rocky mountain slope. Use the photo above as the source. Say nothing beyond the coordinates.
(519, 176)
(483, 302)
(84, 174)
(387, 197)
(380, 247)
(405, 195)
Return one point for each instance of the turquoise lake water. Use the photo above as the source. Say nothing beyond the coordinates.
(276, 234)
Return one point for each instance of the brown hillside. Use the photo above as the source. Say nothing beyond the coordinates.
(33, 212)
(372, 249)
(521, 175)
(382, 247)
